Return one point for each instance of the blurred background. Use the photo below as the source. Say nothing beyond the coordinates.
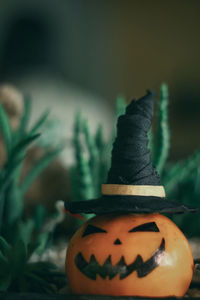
(74, 56)
(71, 55)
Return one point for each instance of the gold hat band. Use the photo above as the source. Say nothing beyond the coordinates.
(133, 190)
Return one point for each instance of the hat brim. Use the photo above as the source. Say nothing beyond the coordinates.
(127, 204)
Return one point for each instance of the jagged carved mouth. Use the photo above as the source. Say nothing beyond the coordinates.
(92, 268)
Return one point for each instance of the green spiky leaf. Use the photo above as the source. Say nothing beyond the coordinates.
(21, 146)
(25, 118)
(5, 248)
(6, 130)
(99, 138)
(25, 230)
(39, 216)
(39, 123)
(162, 135)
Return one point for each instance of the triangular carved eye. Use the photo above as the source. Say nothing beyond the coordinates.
(90, 229)
(151, 226)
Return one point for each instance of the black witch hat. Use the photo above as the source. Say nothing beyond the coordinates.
(133, 184)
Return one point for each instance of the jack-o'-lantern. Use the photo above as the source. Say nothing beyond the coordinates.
(130, 248)
(142, 255)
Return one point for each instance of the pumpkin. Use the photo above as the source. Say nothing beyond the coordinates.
(133, 255)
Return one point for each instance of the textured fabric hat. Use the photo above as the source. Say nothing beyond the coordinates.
(133, 184)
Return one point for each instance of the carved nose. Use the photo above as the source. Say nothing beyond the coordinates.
(117, 242)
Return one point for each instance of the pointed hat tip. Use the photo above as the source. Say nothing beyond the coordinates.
(148, 98)
(149, 92)
(145, 103)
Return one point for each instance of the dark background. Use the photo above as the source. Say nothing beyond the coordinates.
(109, 47)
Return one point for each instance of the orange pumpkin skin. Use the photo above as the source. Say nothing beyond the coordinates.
(171, 277)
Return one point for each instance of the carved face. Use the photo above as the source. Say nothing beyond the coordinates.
(141, 255)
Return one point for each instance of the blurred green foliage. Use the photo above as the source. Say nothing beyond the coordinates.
(92, 158)
(93, 154)
(20, 237)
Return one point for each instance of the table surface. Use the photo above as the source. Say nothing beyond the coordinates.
(24, 296)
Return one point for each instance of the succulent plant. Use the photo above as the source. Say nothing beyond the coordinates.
(92, 158)
(21, 237)
(18, 274)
